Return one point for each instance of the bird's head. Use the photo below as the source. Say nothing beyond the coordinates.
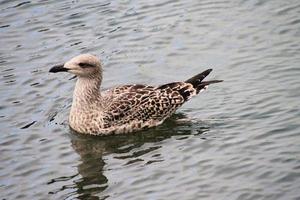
(84, 65)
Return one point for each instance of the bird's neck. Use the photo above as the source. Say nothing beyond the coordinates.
(87, 91)
(86, 100)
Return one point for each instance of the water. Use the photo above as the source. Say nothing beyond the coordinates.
(237, 140)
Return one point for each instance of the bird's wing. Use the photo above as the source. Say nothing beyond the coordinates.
(143, 103)
(131, 88)
(182, 89)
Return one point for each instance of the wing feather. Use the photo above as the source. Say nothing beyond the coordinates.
(143, 103)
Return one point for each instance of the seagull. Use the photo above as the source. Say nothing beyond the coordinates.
(126, 108)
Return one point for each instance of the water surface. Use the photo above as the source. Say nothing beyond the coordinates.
(237, 140)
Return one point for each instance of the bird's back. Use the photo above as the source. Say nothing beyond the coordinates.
(133, 107)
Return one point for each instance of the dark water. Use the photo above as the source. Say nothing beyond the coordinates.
(238, 140)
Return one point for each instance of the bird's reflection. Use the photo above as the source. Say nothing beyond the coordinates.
(92, 149)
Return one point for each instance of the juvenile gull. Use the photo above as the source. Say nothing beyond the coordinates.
(125, 108)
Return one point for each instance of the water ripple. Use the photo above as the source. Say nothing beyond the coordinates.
(237, 140)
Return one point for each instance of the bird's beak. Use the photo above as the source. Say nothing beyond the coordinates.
(58, 68)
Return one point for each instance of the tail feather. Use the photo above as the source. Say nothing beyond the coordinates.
(196, 80)
(210, 82)
(198, 83)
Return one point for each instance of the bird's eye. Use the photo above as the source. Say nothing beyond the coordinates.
(85, 65)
